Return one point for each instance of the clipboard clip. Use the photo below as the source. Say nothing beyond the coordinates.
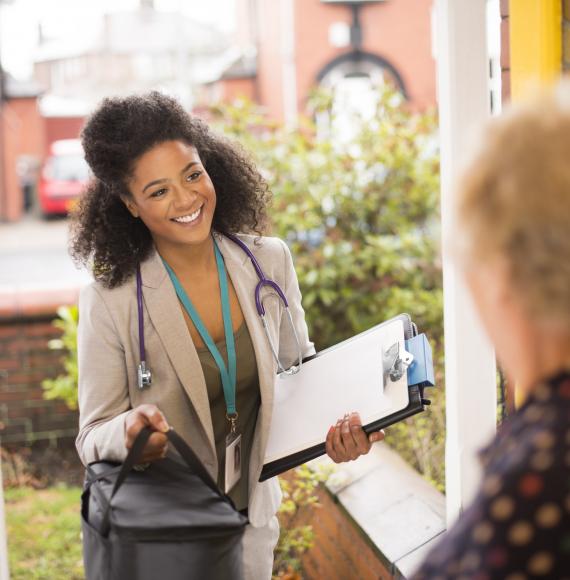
(395, 362)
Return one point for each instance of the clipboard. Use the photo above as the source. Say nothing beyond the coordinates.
(381, 373)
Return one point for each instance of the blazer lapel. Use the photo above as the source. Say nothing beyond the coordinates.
(164, 311)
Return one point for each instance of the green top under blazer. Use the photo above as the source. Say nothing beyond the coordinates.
(248, 400)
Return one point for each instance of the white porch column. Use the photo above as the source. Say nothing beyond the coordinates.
(463, 94)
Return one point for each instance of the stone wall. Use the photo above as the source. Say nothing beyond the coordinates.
(378, 519)
(341, 550)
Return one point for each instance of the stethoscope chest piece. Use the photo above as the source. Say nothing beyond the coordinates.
(144, 376)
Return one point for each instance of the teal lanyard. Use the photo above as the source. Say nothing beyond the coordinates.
(228, 375)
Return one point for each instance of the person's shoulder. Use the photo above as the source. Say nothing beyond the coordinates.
(96, 291)
(261, 243)
(271, 253)
(264, 247)
(528, 465)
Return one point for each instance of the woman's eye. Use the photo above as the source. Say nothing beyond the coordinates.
(158, 193)
(193, 176)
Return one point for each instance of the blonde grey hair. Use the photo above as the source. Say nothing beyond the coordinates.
(513, 201)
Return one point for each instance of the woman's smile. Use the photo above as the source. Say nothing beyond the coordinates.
(189, 219)
(170, 183)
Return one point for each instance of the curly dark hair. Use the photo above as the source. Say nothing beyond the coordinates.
(104, 235)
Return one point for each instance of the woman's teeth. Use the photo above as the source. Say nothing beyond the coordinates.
(188, 218)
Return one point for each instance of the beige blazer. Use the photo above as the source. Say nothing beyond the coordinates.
(108, 351)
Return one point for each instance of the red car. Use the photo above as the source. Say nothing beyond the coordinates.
(64, 177)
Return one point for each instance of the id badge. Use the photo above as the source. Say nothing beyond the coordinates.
(233, 461)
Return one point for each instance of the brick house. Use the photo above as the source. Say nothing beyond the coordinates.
(304, 43)
(22, 144)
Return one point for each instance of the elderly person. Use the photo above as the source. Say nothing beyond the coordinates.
(513, 209)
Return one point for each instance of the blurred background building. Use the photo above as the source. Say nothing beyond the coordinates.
(276, 54)
(287, 48)
(135, 51)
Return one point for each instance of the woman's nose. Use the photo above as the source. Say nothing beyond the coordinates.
(184, 196)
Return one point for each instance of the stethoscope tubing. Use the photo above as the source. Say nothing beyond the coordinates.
(263, 280)
(142, 349)
(144, 373)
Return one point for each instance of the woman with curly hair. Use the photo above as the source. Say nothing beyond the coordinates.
(166, 194)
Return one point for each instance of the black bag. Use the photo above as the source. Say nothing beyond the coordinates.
(167, 522)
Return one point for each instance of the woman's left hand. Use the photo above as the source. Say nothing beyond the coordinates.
(347, 440)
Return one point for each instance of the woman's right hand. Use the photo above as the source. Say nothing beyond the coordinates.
(147, 416)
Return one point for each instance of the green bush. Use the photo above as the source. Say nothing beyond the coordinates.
(65, 385)
(362, 220)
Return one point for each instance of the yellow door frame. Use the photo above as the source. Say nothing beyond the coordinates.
(535, 28)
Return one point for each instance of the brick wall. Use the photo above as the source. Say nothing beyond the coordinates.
(62, 128)
(25, 360)
(340, 550)
(23, 133)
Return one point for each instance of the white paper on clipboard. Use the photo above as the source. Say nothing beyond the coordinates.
(343, 379)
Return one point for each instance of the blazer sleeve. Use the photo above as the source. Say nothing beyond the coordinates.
(103, 388)
(288, 350)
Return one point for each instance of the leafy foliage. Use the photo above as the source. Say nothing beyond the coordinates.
(361, 218)
(65, 385)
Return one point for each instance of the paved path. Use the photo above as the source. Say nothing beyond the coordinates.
(35, 268)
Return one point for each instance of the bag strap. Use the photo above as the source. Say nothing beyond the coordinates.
(192, 460)
(132, 457)
(134, 454)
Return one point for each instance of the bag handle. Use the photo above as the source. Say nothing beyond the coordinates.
(192, 460)
(134, 454)
(179, 444)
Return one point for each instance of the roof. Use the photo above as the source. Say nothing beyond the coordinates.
(244, 67)
(137, 32)
(21, 89)
(56, 106)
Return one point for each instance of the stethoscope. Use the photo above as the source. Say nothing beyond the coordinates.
(144, 372)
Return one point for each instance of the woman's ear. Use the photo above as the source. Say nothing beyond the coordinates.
(130, 205)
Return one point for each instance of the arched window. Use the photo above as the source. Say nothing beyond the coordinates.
(354, 79)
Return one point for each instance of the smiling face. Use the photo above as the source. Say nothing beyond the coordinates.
(173, 195)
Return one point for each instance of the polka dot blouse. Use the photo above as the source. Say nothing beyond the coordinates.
(518, 526)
